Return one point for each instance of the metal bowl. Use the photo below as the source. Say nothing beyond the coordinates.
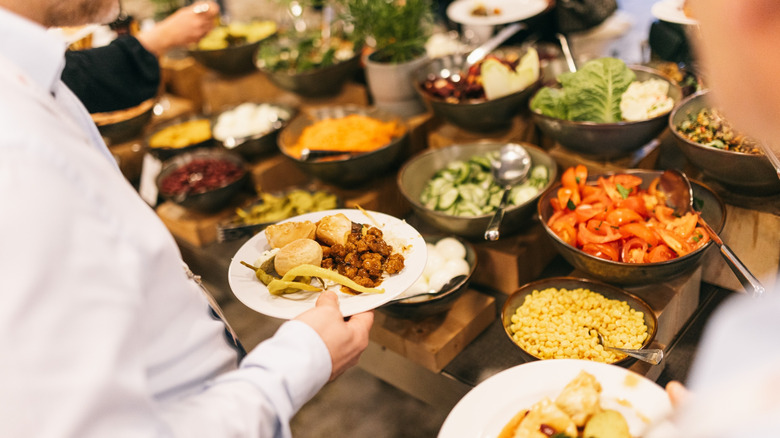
(352, 169)
(517, 298)
(421, 307)
(321, 82)
(259, 144)
(472, 115)
(213, 199)
(608, 140)
(414, 175)
(708, 203)
(748, 173)
(164, 153)
(123, 125)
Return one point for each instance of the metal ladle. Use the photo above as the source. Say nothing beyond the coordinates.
(649, 355)
(679, 196)
(510, 169)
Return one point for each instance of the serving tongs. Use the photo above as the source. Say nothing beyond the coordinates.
(318, 154)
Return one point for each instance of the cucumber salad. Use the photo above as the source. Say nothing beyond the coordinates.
(467, 188)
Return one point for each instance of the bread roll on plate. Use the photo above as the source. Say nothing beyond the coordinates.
(334, 229)
(279, 235)
(296, 253)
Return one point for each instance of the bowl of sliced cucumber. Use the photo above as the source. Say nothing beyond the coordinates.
(453, 190)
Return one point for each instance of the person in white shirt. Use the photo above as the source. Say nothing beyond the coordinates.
(734, 382)
(102, 332)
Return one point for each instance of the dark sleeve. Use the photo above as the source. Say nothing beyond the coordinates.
(117, 76)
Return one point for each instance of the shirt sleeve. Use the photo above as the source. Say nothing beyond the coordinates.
(260, 398)
(117, 76)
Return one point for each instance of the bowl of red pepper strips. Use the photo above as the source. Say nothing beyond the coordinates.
(617, 228)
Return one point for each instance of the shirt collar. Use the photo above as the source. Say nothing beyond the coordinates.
(41, 56)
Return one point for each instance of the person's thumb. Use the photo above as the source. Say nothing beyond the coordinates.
(328, 298)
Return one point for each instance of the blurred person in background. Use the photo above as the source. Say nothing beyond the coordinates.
(734, 382)
(126, 72)
(104, 332)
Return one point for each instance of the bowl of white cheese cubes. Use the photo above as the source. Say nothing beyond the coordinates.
(448, 269)
(251, 128)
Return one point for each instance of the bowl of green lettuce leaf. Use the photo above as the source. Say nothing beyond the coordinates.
(589, 112)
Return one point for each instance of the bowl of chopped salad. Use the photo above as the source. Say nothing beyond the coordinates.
(453, 190)
(712, 145)
(308, 65)
(605, 109)
(616, 227)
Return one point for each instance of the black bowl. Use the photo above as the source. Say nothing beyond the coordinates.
(472, 115)
(422, 307)
(256, 145)
(162, 152)
(213, 199)
(741, 172)
(352, 169)
(517, 298)
(320, 82)
(124, 125)
(608, 140)
(709, 204)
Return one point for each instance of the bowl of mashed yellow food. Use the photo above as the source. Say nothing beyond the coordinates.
(345, 144)
(179, 135)
(230, 49)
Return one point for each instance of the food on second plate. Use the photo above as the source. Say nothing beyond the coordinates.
(559, 324)
(200, 175)
(481, 10)
(247, 120)
(359, 265)
(467, 188)
(296, 52)
(595, 93)
(273, 208)
(710, 128)
(618, 220)
(355, 133)
(576, 412)
(182, 134)
(488, 79)
(236, 34)
(446, 260)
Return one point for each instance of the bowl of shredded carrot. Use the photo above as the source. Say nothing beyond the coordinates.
(347, 144)
(617, 228)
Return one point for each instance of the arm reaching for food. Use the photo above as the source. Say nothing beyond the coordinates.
(185, 26)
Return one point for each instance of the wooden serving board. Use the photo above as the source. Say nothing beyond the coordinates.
(434, 341)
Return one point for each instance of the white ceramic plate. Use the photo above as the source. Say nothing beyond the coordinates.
(254, 294)
(487, 408)
(672, 12)
(511, 11)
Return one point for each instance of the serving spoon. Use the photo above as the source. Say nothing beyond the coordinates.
(510, 169)
(679, 196)
(649, 355)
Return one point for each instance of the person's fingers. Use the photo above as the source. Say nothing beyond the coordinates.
(677, 392)
(361, 321)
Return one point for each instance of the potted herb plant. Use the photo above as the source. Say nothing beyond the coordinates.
(397, 30)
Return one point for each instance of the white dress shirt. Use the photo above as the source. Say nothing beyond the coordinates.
(101, 332)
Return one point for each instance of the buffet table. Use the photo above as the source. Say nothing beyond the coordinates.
(440, 358)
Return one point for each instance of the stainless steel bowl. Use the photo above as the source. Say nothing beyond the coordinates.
(414, 175)
(320, 82)
(608, 140)
(712, 210)
(422, 307)
(474, 115)
(738, 171)
(257, 145)
(213, 199)
(517, 298)
(353, 169)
